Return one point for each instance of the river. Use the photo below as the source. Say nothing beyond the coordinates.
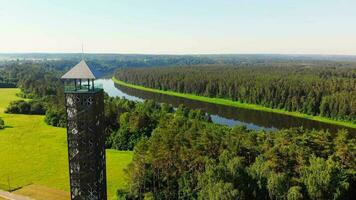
(226, 115)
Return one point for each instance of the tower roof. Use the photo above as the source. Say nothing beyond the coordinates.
(79, 71)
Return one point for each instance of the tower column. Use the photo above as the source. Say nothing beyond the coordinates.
(85, 136)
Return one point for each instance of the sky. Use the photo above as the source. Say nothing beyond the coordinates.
(179, 26)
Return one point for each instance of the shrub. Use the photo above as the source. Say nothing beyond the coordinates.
(24, 107)
(37, 108)
(56, 117)
(2, 124)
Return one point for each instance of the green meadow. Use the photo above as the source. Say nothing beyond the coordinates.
(32, 152)
(228, 102)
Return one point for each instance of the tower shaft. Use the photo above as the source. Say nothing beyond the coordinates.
(86, 144)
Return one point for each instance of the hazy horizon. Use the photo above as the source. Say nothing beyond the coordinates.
(179, 28)
(176, 54)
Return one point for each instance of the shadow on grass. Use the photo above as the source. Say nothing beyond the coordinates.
(9, 188)
(6, 127)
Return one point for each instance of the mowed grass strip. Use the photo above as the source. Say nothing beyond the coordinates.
(32, 152)
(227, 102)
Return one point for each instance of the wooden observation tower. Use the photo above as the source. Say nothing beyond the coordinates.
(84, 101)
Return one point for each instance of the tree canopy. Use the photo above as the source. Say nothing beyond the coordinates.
(191, 159)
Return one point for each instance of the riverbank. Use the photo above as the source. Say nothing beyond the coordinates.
(237, 104)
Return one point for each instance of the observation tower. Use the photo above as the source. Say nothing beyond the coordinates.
(84, 102)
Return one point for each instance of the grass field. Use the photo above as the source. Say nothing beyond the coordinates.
(32, 152)
(227, 102)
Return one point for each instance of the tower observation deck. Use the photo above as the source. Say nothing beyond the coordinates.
(84, 101)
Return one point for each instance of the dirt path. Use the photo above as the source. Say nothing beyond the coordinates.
(11, 196)
(40, 192)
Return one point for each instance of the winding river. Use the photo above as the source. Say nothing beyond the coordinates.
(252, 119)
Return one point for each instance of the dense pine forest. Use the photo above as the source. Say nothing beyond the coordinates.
(316, 88)
(191, 159)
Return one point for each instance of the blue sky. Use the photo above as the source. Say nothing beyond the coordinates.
(179, 27)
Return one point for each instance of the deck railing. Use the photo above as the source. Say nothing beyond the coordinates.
(83, 88)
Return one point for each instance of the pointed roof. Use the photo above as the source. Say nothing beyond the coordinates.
(80, 71)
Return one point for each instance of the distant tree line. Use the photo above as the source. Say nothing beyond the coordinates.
(192, 159)
(326, 89)
(40, 82)
(5, 80)
(103, 64)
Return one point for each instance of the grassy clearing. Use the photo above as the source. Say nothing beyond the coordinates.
(32, 152)
(227, 102)
(6, 96)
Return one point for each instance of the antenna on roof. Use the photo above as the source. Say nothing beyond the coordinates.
(82, 52)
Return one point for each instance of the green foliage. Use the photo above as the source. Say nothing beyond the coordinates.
(5, 80)
(40, 82)
(55, 117)
(2, 124)
(26, 107)
(192, 159)
(135, 121)
(345, 149)
(219, 191)
(186, 186)
(277, 185)
(326, 89)
(122, 194)
(324, 179)
(295, 193)
(38, 79)
(259, 172)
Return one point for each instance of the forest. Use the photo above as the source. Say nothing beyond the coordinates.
(180, 154)
(5, 80)
(324, 88)
(191, 159)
